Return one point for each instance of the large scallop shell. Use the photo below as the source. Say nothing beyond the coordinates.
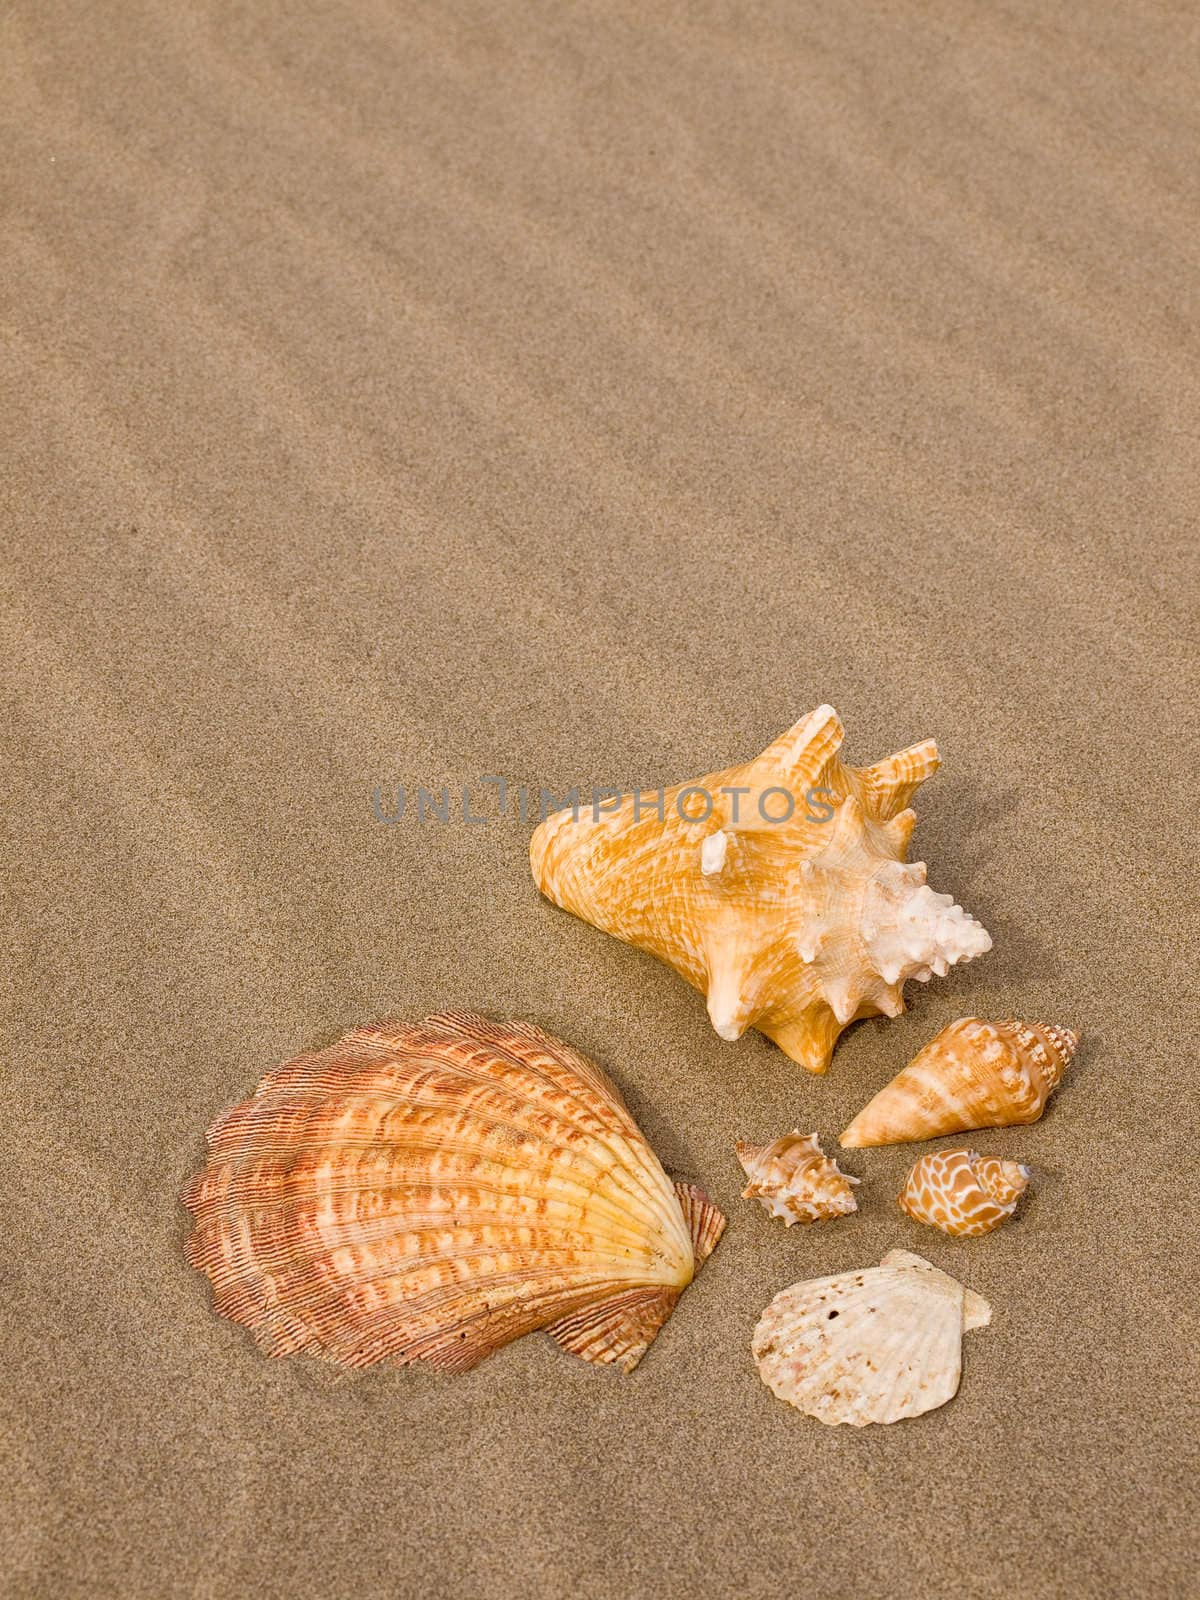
(961, 1192)
(431, 1191)
(974, 1074)
(778, 888)
(794, 1179)
(870, 1346)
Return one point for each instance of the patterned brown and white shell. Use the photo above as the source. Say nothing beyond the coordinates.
(795, 1180)
(973, 1074)
(778, 887)
(871, 1346)
(431, 1191)
(962, 1192)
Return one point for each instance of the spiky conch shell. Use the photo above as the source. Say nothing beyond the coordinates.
(795, 1180)
(871, 1346)
(973, 1074)
(961, 1192)
(430, 1191)
(796, 927)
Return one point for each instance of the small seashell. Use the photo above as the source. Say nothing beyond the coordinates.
(962, 1192)
(778, 887)
(795, 1180)
(870, 1346)
(431, 1191)
(974, 1074)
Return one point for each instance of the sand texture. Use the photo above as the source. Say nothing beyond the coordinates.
(397, 393)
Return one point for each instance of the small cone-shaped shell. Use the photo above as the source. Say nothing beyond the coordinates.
(974, 1074)
(795, 1180)
(778, 888)
(431, 1191)
(870, 1346)
(961, 1192)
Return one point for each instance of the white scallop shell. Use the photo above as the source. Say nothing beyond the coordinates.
(870, 1346)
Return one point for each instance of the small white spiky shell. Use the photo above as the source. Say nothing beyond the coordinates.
(795, 1180)
(778, 887)
(871, 1346)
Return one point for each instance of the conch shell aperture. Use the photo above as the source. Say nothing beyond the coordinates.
(431, 1191)
(961, 1192)
(871, 1346)
(794, 1179)
(973, 1074)
(778, 888)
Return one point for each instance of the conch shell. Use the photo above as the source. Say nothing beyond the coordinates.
(777, 888)
(795, 1180)
(962, 1192)
(430, 1191)
(870, 1346)
(974, 1074)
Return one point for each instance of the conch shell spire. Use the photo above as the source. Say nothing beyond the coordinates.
(778, 888)
(911, 932)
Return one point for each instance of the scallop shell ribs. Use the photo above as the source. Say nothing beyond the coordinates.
(974, 1074)
(777, 888)
(431, 1191)
(794, 1179)
(962, 1192)
(871, 1346)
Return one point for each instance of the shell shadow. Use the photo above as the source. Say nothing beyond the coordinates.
(970, 823)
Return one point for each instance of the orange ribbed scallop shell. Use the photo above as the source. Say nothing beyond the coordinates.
(431, 1191)
(962, 1192)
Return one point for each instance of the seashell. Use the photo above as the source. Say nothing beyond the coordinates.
(777, 888)
(430, 1191)
(795, 1180)
(870, 1346)
(973, 1074)
(962, 1192)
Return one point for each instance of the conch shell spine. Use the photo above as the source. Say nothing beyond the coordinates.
(796, 923)
(973, 1074)
(961, 1192)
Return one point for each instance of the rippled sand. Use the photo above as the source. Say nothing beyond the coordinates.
(398, 393)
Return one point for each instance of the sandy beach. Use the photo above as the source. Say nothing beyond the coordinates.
(402, 394)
